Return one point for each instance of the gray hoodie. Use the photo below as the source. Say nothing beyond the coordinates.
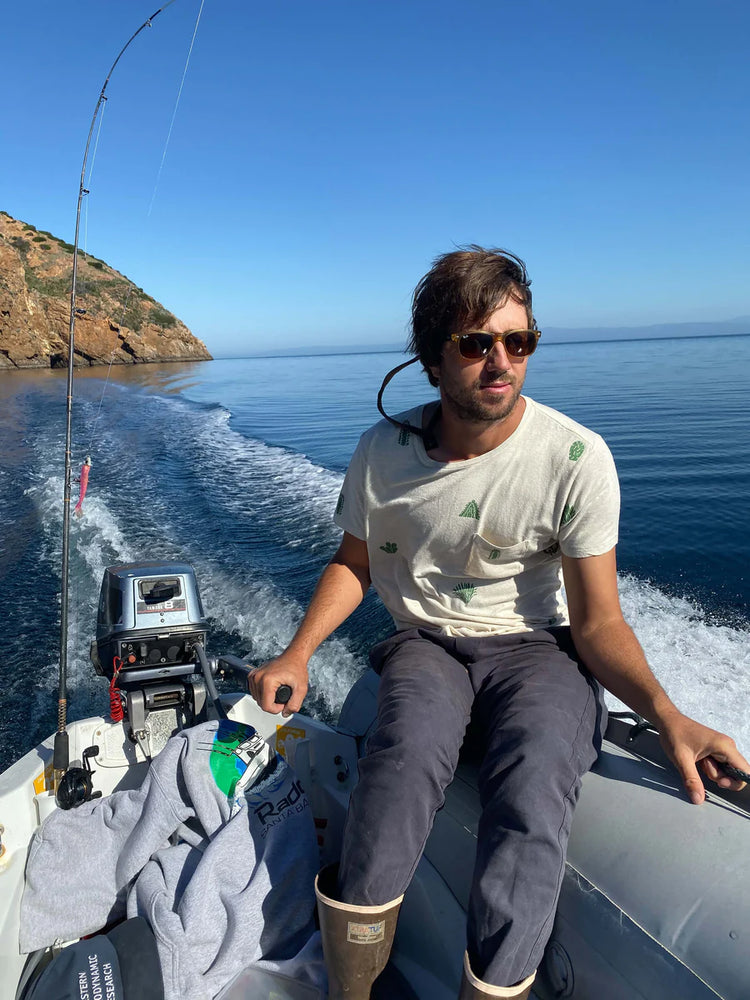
(216, 849)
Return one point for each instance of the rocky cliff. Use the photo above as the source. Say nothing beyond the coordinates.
(116, 321)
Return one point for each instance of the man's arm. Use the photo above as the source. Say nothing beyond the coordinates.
(610, 650)
(341, 588)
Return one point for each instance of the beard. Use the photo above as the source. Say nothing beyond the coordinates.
(471, 404)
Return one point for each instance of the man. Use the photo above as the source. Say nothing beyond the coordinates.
(467, 516)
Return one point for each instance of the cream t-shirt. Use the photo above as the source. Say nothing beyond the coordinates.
(474, 547)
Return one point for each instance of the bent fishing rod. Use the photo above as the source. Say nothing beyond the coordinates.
(60, 758)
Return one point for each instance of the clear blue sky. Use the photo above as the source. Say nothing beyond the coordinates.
(323, 153)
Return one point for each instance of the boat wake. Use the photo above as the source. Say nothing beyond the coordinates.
(172, 480)
(704, 667)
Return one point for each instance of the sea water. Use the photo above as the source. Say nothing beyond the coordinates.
(235, 466)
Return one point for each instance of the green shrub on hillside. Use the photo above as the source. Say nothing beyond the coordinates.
(133, 317)
(92, 290)
(107, 293)
(55, 287)
(162, 318)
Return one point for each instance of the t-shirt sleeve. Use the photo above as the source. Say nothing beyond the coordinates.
(350, 513)
(591, 513)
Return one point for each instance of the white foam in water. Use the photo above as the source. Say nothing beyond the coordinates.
(95, 534)
(252, 609)
(704, 668)
(99, 538)
(96, 542)
(268, 622)
(255, 475)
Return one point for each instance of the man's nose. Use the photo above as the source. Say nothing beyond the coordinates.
(498, 358)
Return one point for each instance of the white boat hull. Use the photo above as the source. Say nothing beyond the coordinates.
(654, 904)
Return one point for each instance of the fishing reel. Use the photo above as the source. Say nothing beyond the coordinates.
(76, 784)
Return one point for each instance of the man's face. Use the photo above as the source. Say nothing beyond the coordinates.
(485, 390)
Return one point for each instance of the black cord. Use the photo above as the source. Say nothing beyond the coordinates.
(428, 435)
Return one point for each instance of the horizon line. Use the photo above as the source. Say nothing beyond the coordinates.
(331, 350)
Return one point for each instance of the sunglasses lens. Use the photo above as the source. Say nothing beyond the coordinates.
(475, 345)
(520, 343)
(517, 344)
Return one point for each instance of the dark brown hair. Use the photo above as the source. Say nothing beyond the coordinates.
(460, 291)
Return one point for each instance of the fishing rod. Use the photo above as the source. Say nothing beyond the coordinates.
(60, 758)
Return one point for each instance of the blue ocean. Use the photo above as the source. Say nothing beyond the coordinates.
(235, 466)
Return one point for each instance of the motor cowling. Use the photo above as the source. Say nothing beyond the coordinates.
(149, 617)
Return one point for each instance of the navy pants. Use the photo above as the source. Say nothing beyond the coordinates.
(541, 717)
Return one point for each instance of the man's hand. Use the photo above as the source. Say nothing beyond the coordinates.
(610, 650)
(688, 743)
(340, 590)
(266, 680)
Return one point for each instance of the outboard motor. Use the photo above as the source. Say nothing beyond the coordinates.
(150, 615)
(150, 631)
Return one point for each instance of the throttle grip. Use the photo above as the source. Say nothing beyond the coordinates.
(283, 694)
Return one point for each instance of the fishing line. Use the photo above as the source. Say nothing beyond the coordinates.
(109, 369)
(101, 399)
(148, 214)
(176, 105)
(121, 323)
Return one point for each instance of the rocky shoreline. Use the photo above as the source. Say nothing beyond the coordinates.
(116, 322)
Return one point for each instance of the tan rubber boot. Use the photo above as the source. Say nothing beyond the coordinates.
(357, 940)
(474, 989)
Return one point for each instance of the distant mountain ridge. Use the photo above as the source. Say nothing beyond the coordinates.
(116, 321)
(659, 331)
(739, 326)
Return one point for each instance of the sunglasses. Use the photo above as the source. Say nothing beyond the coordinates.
(477, 344)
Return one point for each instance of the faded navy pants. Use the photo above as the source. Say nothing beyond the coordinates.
(541, 716)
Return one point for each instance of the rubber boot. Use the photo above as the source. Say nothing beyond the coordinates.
(356, 940)
(474, 989)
